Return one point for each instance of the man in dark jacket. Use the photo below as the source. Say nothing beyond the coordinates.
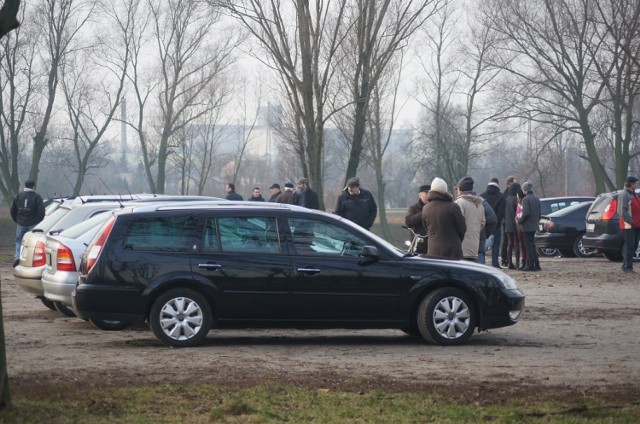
(275, 192)
(413, 219)
(256, 196)
(231, 192)
(27, 210)
(357, 204)
(503, 246)
(287, 195)
(305, 196)
(529, 221)
(497, 201)
(626, 213)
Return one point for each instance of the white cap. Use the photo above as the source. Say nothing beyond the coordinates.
(439, 185)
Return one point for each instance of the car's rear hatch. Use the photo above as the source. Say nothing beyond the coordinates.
(602, 215)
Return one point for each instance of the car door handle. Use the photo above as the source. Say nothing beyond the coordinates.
(309, 270)
(210, 266)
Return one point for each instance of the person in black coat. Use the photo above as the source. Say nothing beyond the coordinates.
(305, 196)
(231, 192)
(413, 219)
(256, 196)
(357, 204)
(27, 210)
(498, 202)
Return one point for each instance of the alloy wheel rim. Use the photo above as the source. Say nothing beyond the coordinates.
(181, 318)
(451, 317)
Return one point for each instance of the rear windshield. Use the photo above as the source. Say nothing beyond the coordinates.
(50, 220)
(81, 228)
(600, 205)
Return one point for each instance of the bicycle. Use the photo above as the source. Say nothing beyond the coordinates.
(412, 245)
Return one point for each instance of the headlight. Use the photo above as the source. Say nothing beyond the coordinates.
(506, 280)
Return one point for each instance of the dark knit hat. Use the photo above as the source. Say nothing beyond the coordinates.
(465, 184)
(630, 180)
(424, 188)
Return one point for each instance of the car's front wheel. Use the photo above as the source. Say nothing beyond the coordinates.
(180, 318)
(447, 316)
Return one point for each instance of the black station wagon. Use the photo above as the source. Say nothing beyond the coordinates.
(186, 269)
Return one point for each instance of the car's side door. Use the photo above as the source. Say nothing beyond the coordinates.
(334, 282)
(247, 264)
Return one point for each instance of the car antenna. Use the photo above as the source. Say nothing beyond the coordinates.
(119, 199)
(74, 193)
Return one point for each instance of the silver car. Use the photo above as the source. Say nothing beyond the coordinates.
(28, 272)
(63, 253)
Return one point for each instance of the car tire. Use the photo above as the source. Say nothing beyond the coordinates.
(48, 303)
(567, 253)
(180, 318)
(581, 251)
(64, 310)
(613, 256)
(447, 317)
(109, 325)
(547, 252)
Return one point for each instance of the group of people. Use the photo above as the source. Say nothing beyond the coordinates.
(303, 196)
(354, 203)
(464, 226)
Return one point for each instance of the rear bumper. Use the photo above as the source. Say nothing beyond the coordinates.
(93, 301)
(58, 286)
(29, 279)
(604, 242)
(554, 240)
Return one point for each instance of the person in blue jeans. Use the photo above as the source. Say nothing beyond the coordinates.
(27, 210)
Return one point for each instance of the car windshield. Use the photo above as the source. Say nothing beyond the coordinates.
(81, 228)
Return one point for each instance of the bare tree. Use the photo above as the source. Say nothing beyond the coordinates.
(551, 49)
(379, 29)
(18, 69)
(305, 61)
(60, 22)
(191, 55)
(92, 102)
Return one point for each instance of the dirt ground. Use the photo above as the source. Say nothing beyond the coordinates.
(579, 337)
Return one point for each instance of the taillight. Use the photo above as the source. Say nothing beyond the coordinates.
(610, 210)
(64, 259)
(93, 252)
(39, 258)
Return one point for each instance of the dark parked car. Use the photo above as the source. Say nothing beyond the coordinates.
(186, 270)
(553, 204)
(563, 230)
(603, 228)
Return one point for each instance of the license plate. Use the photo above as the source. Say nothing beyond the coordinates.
(590, 227)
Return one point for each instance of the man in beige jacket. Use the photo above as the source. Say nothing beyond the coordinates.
(473, 212)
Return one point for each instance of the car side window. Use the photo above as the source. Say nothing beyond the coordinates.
(249, 234)
(166, 234)
(311, 237)
(210, 238)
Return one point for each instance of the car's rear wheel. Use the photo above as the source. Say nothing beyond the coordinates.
(447, 316)
(64, 310)
(567, 253)
(48, 303)
(547, 252)
(581, 251)
(109, 325)
(613, 256)
(180, 318)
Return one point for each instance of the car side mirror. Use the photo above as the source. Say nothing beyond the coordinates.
(370, 252)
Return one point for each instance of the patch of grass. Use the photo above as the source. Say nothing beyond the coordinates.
(203, 403)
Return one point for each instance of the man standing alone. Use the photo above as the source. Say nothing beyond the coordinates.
(529, 222)
(357, 205)
(627, 215)
(27, 210)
